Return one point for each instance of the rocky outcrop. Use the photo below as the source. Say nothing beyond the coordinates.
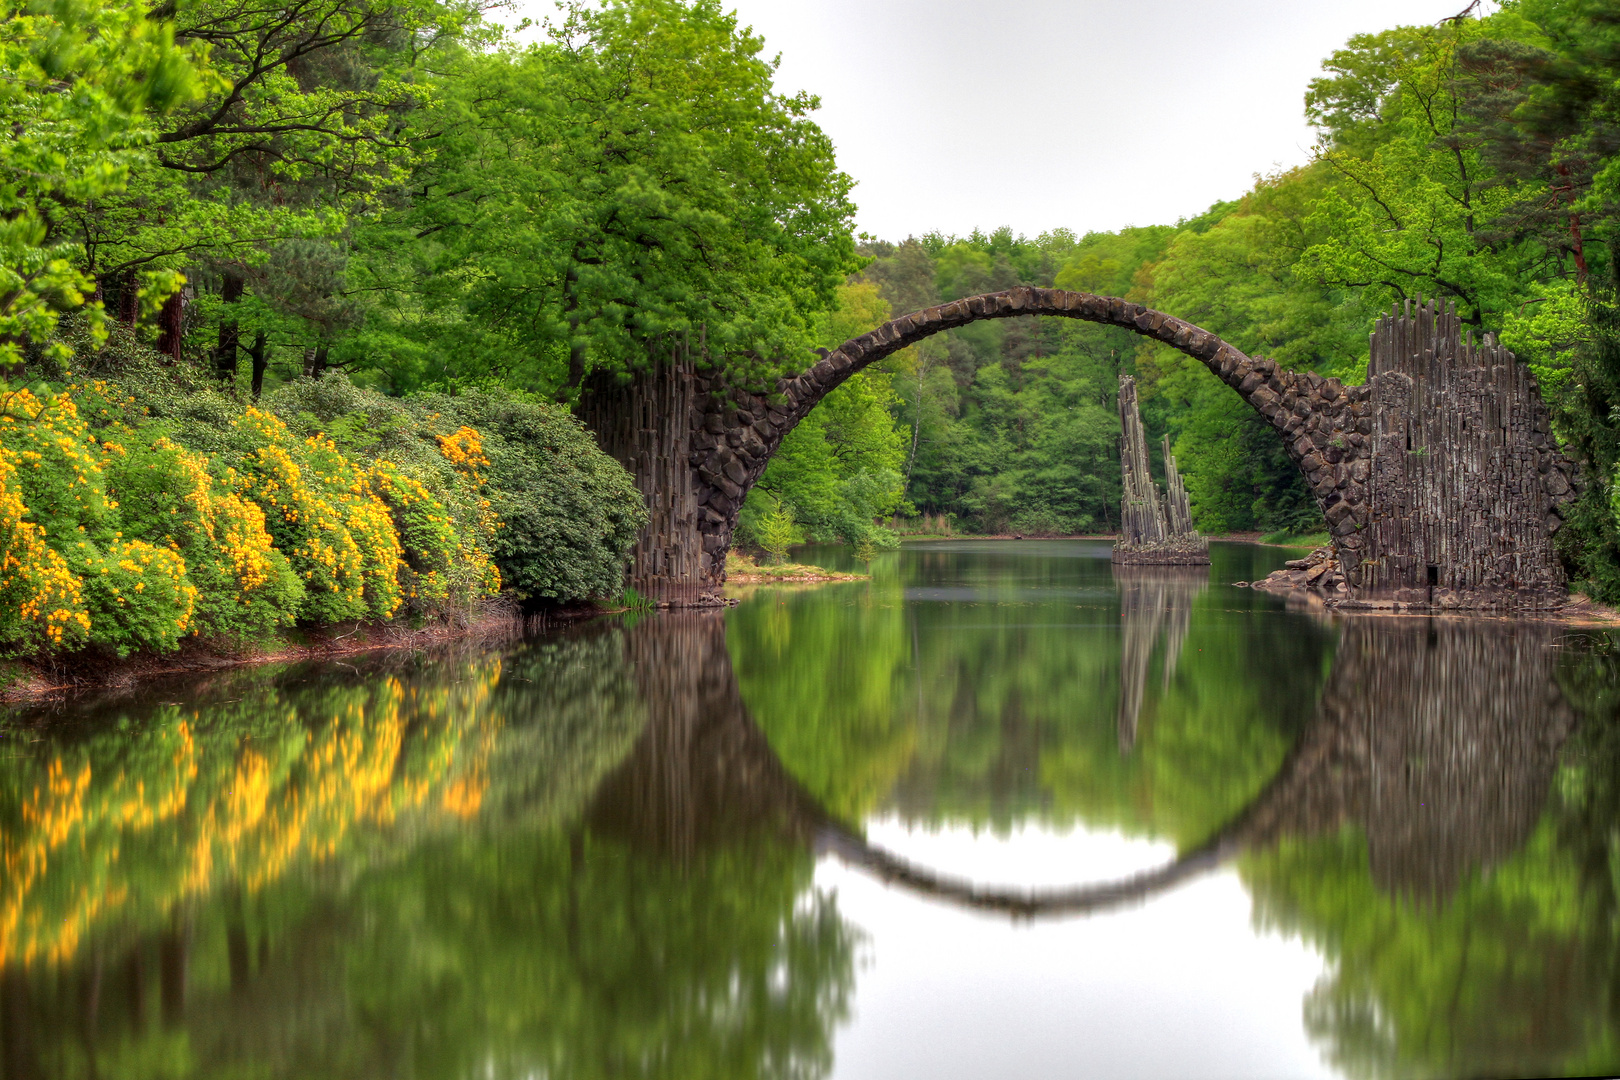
(1154, 529)
(1319, 572)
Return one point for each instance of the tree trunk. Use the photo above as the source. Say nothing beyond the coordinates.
(315, 364)
(129, 299)
(171, 321)
(260, 353)
(230, 332)
(646, 426)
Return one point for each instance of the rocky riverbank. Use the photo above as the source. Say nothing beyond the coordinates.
(1318, 572)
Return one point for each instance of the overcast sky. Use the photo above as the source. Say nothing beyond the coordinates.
(953, 115)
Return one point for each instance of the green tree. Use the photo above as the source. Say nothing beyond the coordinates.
(634, 178)
(82, 86)
(777, 531)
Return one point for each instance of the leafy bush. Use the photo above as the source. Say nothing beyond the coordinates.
(444, 523)
(245, 587)
(321, 513)
(147, 505)
(569, 513)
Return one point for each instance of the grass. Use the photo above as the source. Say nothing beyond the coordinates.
(631, 600)
(1292, 539)
(926, 527)
(739, 565)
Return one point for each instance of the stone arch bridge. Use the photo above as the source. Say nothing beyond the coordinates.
(1439, 479)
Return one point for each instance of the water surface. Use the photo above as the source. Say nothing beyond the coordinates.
(1002, 810)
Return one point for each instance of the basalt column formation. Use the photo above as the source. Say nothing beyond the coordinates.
(1153, 530)
(1465, 485)
(645, 424)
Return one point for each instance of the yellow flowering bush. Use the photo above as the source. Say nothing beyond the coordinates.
(138, 512)
(427, 536)
(41, 598)
(321, 512)
(138, 595)
(446, 555)
(428, 474)
(245, 587)
(464, 448)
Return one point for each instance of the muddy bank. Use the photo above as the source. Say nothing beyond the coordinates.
(32, 679)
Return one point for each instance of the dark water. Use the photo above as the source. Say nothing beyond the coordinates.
(1001, 811)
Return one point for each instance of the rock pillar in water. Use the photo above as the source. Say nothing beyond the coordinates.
(1154, 529)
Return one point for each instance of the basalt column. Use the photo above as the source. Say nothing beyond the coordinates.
(1153, 529)
(1466, 485)
(646, 425)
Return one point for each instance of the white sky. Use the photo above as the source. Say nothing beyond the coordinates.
(1086, 114)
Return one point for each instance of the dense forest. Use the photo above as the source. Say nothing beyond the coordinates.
(337, 271)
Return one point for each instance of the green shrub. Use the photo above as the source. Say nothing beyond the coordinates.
(445, 525)
(148, 504)
(166, 495)
(569, 513)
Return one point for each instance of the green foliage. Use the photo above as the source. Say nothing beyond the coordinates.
(569, 513)
(632, 178)
(81, 82)
(439, 512)
(841, 468)
(776, 531)
(245, 589)
(143, 508)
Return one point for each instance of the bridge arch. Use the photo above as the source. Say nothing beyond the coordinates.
(1440, 478)
(1326, 426)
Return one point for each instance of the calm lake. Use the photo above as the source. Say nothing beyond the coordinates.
(1003, 810)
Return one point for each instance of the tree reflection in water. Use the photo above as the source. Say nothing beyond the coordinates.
(583, 857)
(513, 926)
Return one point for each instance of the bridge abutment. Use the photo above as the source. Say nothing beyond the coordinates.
(1465, 483)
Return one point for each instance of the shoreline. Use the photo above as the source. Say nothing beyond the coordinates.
(1226, 538)
(34, 681)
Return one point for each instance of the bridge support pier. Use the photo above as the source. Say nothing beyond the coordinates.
(1464, 483)
(647, 424)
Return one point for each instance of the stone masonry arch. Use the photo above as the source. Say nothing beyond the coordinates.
(741, 431)
(1331, 432)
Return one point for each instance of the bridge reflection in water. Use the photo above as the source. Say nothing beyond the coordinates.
(1437, 739)
(583, 856)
